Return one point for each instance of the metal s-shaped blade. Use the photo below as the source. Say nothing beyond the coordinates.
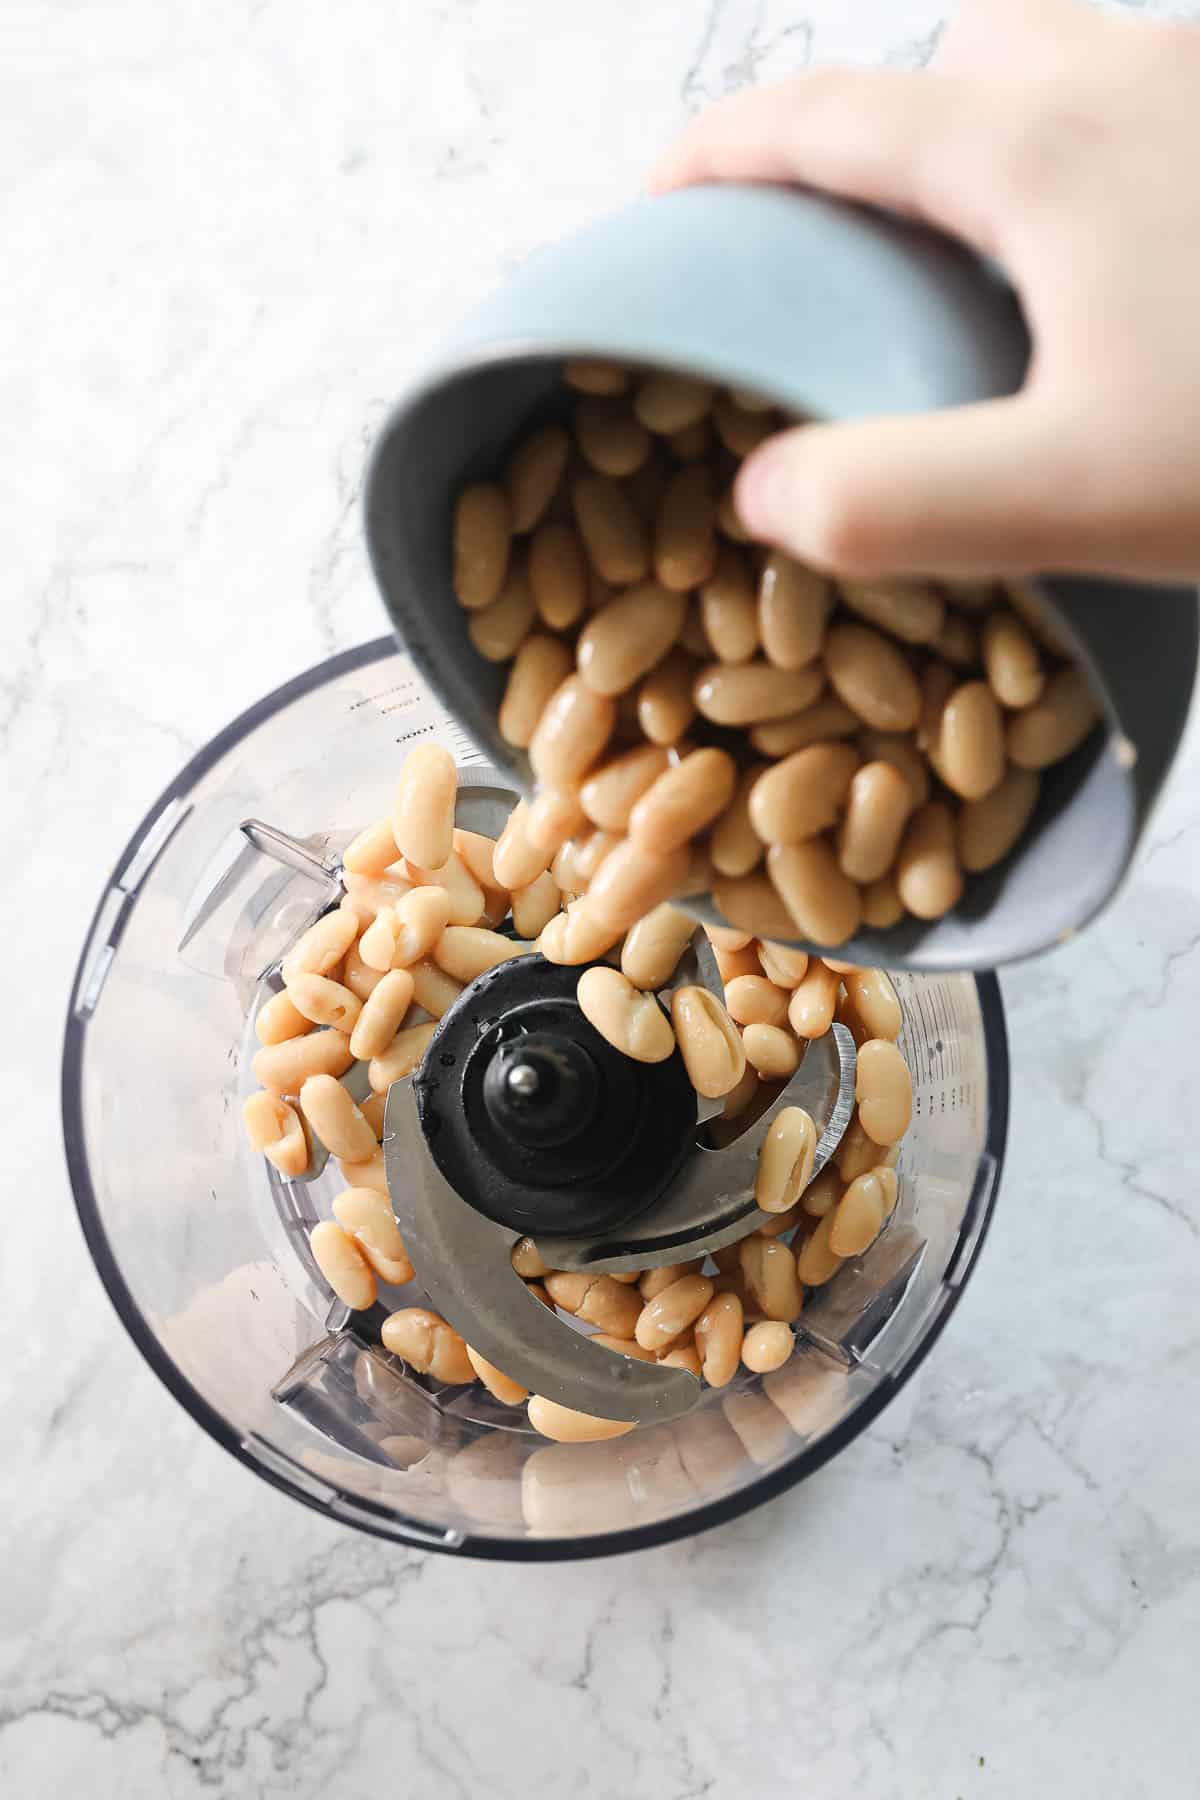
(463, 1261)
(711, 1202)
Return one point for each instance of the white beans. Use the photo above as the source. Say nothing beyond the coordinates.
(663, 1319)
(426, 1343)
(274, 1127)
(365, 1214)
(343, 1265)
(482, 536)
(785, 1161)
(279, 1020)
(719, 1339)
(401, 1057)
(285, 1067)
(467, 951)
(767, 1346)
(322, 946)
(823, 901)
(708, 1041)
(631, 1021)
(883, 1090)
(654, 946)
(335, 1118)
(566, 1426)
(323, 1001)
(683, 800)
(382, 1014)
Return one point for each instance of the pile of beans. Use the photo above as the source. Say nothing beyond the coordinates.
(421, 918)
(703, 713)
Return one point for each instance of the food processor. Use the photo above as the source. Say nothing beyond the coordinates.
(204, 1246)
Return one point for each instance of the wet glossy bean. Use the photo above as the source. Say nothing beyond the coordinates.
(633, 880)
(970, 746)
(794, 604)
(785, 1160)
(533, 474)
(565, 1426)
(685, 542)
(708, 1041)
(824, 903)
(654, 946)
(767, 1346)
(909, 610)
(1056, 724)
(858, 1216)
(827, 718)
(401, 1057)
(610, 793)
(280, 1019)
(627, 638)
(729, 608)
(542, 665)
(988, 828)
(366, 1215)
(429, 1345)
(325, 1002)
(769, 1270)
(878, 804)
(747, 693)
(372, 851)
(632, 1021)
(683, 800)
(772, 1051)
(803, 794)
(322, 946)
(883, 1090)
(1011, 659)
(665, 707)
(718, 1334)
(817, 1261)
(343, 1265)
(597, 1300)
(873, 677)
(482, 537)
(614, 536)
(928, 875)
(498, 631)
(810, 1010)
(569, 738)
(274, 1127)
(661, 1320)
(534, 906)
(285, 1067)
(871, 994)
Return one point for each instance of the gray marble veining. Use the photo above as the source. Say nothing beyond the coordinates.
(231, 231)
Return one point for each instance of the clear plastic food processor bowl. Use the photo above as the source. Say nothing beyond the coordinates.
(203, 1247)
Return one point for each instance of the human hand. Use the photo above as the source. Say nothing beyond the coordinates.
(1063, 143)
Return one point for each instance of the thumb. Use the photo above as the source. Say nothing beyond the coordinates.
(976, 490)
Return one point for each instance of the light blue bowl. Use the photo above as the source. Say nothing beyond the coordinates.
(833, 311)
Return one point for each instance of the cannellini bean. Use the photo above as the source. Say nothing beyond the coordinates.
(325, 1002)
(708, 1041)
(597, 1300)
(614, 536)
(767, 1346)
(878, 804)
(753, 1000)
(988, 828)
(1011, 659)
(785, 1161)
(663, 1319)
(366, 1215)
(569, 738)
(343, 1265)
(823, 1192)
(465, 894)
(719, 1339)
(372, 1173)
(928, 877)
(729, 608)
(516, 860)
(773, 1052)
(938, 682)
(633, 880)
(665, 707)
(872, 676)
(685, 542)
(857, 1151)
(747, 693)
(683, 800)
(401, 1057)
(535, 905)
(578, 935)
(723, 937)
(335, 1119)
(1056, 724)
(825, 719)
(499, 630)
(783, 967)
(590, 376)
(858, 1216)
(882, 905)
(502, 1387)
(734, 844)
(285, 1067)
(871, 994)
(427, 1344)
(731, 964)
(482, 537)
(423, 810)
(274, 1127)
(540, 667)
(810, 1010)
(794, 604)
(681, 1356)
(280, 1019)
(372, 851)
(527, 1260)
(565, 1426)
(824, 903)
(800, 796)
(739, 430)
(322, 946)
(629, 1020)
(970, 748)
(372, 1111)
(895, 748)
(377, 946)
(817, 1262)
(654, 946)
(553, 816)
(628, 637)
(533, 474)
(418, 921)
(909, 610)
(654, 1281)
(612, 440)
(433, 988)
(751, 901)
(368, 895)
(667, 403)
(769, 1271)
(883, 1090)
(475, 852)
(590, 850)
(609, 795)
(467, 951)
(558, 574)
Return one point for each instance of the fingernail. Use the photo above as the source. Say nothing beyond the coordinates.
(759, 493)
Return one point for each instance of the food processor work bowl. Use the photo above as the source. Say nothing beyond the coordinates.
(204, 1247)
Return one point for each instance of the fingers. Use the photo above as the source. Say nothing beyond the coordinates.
(1000, 39)
(979, 490)
(888, 137)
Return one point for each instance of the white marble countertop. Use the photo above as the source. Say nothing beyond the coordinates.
(231, 231)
